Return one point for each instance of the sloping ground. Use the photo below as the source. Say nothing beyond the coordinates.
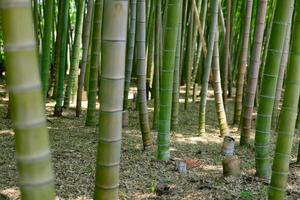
(74, 149)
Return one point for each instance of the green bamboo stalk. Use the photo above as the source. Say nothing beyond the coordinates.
(200, 56)
(141, 72)
(85, 49)
(266, 97)
(208, 60)
(176, 79)
(231, 45)
(47, 45)
(298, 157)
(226, 56)
(157, 63)
(63, 26)
(242, 66)
(253, 72)
(183, 39)
(73, 74)
(288, 116)
(129, 56)
(166, 84)
(113, 46)
(190, 59)
(91, 116)
(36, 178)
(218, 89)
(279, 87)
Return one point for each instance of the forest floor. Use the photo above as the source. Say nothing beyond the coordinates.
(74, 149)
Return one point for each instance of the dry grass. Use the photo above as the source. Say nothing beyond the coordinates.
(74, 148)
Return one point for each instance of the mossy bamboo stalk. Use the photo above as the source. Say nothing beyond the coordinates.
(85, 49)
(73, 74)
(91, 116)
(253, 72)
(36, 178)
(266, 97)
(166, 84)
(208, 60)
(288, 117)
(114, 32)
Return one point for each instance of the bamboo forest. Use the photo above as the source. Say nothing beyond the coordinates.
(149, 99)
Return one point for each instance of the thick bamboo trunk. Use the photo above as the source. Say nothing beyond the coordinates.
(288, 116)
(91, 116)
(281, 74)
(114, 34)
(166, 84)
(253, 72)
(36, 178)
(176, 79)
(281, 20)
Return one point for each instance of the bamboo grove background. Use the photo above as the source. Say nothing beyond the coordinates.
(64, 51)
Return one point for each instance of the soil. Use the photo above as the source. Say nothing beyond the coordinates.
(141, 176)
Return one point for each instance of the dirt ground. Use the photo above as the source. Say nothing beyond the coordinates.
(74, 148)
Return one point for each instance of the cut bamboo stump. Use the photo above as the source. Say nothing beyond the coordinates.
(231, 166)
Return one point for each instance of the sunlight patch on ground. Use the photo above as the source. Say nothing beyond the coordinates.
(212, 167)
(11, 193)
(9, 131)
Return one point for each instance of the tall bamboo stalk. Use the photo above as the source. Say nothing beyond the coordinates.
(218, 89)
(189, 58)
(166, 84)
(141, 72)
(242, 63)
(208, 60)
(282, 69)
(85, 49)
(253, 72)
(47, 45)
(91, 116)
(63, 26)
(73, 74)
(114, 34)
(266, 97)
(130, 54)
(288, 117)
(176, 79)
(36, 177)
(157, 63)
(226, 56)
